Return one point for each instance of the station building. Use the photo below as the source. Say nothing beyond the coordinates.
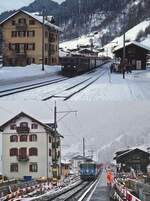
(30, 148)
(136, 54)
(136, 158)
(22, 39)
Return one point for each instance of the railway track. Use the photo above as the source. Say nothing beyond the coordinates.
(65, 94)
(65, 194)
(75, 89)
(16, 90)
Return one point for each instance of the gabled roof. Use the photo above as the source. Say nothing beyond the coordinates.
(34, 16)
(132, 43)
(47, 127)
(130, 151)
(79, 157)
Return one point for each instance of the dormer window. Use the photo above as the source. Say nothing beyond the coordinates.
(23, 124)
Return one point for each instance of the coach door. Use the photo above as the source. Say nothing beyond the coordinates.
(138, 65)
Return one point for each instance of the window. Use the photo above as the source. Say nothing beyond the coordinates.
(34, 126)
(23, 151)
(21, 33)
(13, 167)
(22, 21)
(33, 138)
(23, 138)
(33, 167)
(14, 33)
(13, 127)
(31, 22)
(50, 139)
(31, 33)
(24, 124)
(13, 22)
(14, 138)
(50, 152)
(31, 46)
(33, 151)
(13, 152)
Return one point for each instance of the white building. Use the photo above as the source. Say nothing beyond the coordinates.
(28, 148)
(76, 161)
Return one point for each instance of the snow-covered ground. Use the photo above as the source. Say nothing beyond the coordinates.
(22, 74)
(136, 87)
(112, 113)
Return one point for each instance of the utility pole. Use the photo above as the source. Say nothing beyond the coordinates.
(43, 39)
(83, 147)
(124, 48)
(55, 133)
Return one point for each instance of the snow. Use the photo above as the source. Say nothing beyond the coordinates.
(35, 16)
(31, 71)
(110, 115)
(131, 35)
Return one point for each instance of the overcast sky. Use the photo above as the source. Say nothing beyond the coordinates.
(15, 4)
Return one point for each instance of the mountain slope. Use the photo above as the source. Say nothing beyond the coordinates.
(78, 17)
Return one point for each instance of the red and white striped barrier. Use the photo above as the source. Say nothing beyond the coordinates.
(127, 195)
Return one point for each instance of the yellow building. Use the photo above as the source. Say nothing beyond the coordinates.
(22, 40)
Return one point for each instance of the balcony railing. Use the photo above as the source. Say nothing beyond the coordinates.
(55, 145)
(23, 158)
(23, 130)
(21, 27)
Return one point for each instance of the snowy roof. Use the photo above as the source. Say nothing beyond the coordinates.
(129, 151)
(46, 126)
(36, 17)
(132, 43)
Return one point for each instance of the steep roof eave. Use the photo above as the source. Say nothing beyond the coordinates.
(23, 114)
(134, 43)
(34, 17)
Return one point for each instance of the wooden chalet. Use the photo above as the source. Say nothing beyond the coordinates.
(136, 54)
(132, 158)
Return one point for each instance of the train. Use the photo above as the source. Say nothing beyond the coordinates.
(77, 64)
(89, 170)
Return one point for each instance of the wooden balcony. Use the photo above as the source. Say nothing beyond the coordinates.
(23, 130)
(23, 158)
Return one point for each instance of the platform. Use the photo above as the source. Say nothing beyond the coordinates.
(101, 191)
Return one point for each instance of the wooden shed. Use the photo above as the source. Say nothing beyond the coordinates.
(135, 54)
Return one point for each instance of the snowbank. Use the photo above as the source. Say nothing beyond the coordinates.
(31, 71)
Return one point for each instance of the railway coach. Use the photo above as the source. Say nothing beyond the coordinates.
(78, 64)
(89, 170)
